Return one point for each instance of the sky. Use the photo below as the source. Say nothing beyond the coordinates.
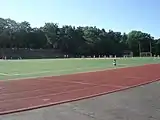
(117, 15)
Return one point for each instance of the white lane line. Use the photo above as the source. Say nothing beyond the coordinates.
(95, 84)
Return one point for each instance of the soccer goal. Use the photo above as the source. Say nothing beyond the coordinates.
(145, 54)
(145, 49)
(127, 54)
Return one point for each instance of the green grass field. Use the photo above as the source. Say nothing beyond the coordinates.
(16, 69)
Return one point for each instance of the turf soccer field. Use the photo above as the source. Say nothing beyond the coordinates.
(51, 82)
(14, 69)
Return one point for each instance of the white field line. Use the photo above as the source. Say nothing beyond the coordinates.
(57, 71)
(3, 74)
(52, 71)
(28, 60)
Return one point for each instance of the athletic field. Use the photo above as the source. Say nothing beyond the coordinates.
(15, 69)
(30, 84)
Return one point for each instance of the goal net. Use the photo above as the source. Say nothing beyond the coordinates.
(127, 54)
(145, 54)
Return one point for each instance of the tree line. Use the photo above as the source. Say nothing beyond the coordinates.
(88, 40)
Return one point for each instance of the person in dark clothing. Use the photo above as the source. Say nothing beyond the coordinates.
(114, 62)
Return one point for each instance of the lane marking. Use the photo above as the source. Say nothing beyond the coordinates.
(98, 84)
(50, 94)
(34, 90)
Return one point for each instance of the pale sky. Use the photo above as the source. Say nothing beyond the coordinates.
(117, 15)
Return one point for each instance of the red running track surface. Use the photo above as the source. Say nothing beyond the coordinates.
(21, 95)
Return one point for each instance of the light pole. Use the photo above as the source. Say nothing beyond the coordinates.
(150, 45)
(139, 44)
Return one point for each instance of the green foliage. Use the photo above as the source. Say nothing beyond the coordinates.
(71, 40)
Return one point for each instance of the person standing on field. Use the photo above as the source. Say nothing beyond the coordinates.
(114, 62)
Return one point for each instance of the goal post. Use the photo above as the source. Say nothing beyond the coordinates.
(145, 54)
(127, 53)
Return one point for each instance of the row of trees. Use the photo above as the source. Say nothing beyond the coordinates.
(73, 40)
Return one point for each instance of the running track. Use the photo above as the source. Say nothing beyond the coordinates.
(21, 95)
